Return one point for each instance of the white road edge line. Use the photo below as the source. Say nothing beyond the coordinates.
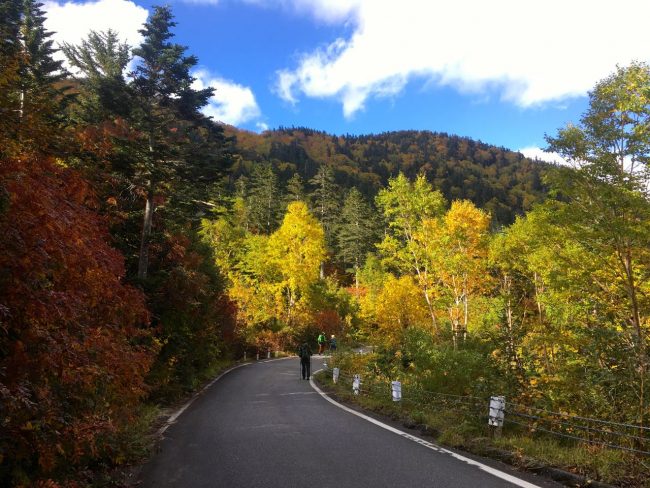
(178, 412)
(495, 472)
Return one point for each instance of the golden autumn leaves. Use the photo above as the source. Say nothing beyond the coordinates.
(271, 276)
(441, 256)
(436, 261)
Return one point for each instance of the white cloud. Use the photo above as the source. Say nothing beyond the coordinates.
(328, 11)
(528, 52)
(262, 126)
(72, 22)
(232, 103)
(534, 152)
(324, 10)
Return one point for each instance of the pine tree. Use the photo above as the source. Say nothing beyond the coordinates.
(263, 201)
(100, 60)
(9, 28)
(325, 198)
(30, 101)
(9, 74)
(39, 73)
(295, 190)
(167, 115)
(41, 70)
(356, 233)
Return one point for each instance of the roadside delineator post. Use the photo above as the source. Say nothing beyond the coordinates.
(268, 353)
(356, 384)
(497, 414)
(396, 390)
(244, 355)
(335, 375)
(258, 355)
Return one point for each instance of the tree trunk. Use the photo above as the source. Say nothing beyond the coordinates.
(625, 257)
(356, 278)
(465, 308)
(431, 311)
(143, 262)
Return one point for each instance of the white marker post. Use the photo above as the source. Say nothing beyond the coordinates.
(268, 353)
(497, 414)
(356, 384)
(335, 375)
(396, 390)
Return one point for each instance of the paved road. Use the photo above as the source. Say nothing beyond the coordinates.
(261, 426)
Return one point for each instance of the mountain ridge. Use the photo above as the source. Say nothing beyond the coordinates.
(502, 181)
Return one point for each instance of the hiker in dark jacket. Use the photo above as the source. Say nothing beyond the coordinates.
(333, 344)
(304, 352)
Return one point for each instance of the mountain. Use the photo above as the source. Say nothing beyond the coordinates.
(502, 181)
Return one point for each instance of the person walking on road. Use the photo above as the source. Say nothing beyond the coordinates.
(304, 352)
(321, 342)
(333, 344)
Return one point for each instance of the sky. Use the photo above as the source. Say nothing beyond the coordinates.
(505, 72)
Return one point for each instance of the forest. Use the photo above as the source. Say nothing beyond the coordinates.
(502, 182)
(144, 246)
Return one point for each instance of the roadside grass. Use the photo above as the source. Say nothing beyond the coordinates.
(466, 430)
(594, 462)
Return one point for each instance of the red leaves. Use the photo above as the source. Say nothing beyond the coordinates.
(70, 363)
(328, 321)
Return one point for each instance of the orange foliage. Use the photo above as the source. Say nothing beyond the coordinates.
(73, 352)
(328, 321)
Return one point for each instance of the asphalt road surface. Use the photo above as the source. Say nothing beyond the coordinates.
(262, 426)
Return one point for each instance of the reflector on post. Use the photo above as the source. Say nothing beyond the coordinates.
(497, 411)
(396, 389)
(356, 384)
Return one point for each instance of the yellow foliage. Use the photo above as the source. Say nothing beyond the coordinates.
(298, 247)
(400, 305)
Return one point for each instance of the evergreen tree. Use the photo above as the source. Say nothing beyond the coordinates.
(39, 72)
(356, 233)
(167, 115)
(30, 101)
(9, 74)
(100, 60)
(263, 199)
(325, 198)
(9, 29)
(295, 190)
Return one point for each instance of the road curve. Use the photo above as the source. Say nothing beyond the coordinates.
(262, 426)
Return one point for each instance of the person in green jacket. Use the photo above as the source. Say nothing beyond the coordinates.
(321, 342)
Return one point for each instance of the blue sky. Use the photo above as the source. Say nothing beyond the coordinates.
(505, 71)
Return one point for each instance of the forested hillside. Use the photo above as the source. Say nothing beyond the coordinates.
(501, 181)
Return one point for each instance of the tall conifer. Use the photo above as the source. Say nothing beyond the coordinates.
(167, 114)
(356, 233)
